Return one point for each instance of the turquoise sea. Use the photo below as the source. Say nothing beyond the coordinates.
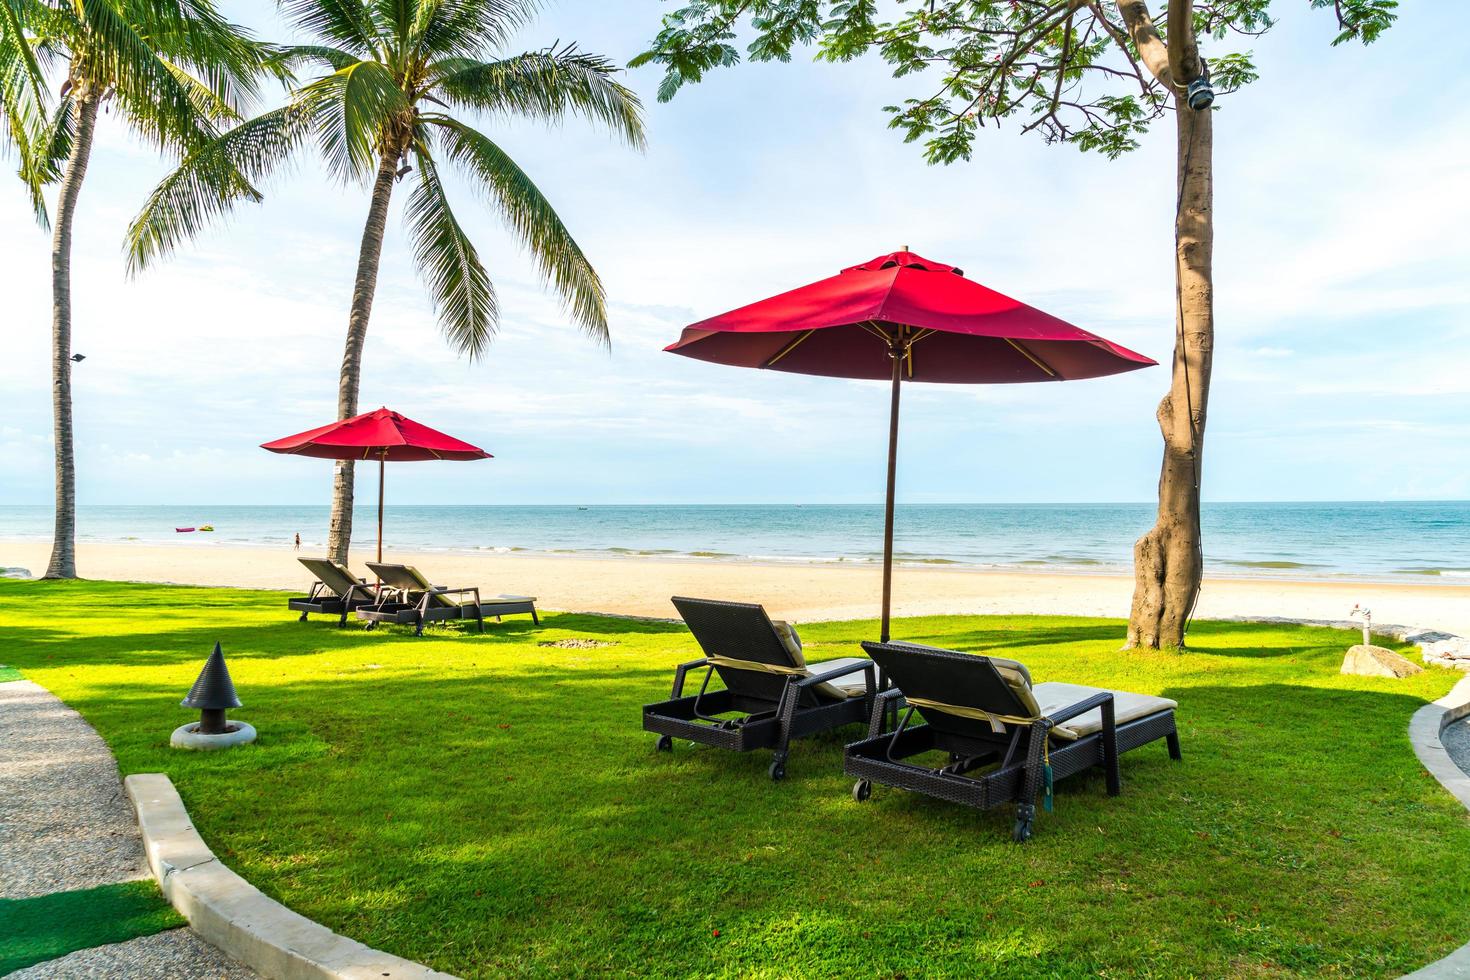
(1425, 541)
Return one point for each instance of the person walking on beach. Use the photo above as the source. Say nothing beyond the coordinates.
(298, 540)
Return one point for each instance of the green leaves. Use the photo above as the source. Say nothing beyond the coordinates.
(386, 61)
(694, 40)
(213, 178)
(543, 84)
(530, 217)
(1361, 20)
(448, 263)
(1069, 69)
(355, 109)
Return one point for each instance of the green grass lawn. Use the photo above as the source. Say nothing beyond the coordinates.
(488, 804)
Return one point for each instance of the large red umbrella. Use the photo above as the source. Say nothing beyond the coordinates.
(905, 318)
(383, 435)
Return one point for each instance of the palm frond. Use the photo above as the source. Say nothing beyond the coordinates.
(343, 22)
(546, 85)
(205, 98)
(469, 28)
(119, 59)
(530, 217)
(223, 57)
(23, 100)
(458, 285)
(329, 56)
(355, 106)
(41, 162)
(212, 179)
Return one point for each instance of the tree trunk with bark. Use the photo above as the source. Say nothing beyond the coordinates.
(339, 536)
(63, 545)
(1168, 561)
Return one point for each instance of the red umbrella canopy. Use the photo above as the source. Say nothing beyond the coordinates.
(383, 435)
(949, 328)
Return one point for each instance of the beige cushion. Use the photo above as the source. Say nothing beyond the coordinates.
(1055, 695)
(850, 685)
(1018, 679)
(790, 639)
(1013, 672)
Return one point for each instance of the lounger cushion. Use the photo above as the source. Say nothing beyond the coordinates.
(1054, 695)
(850, 685)
(333, 574)
(1013, 672)
(790, 639)
(438, 599)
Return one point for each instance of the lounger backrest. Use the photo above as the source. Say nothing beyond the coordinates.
(741, 631)
(409, 579)
(994, 686)
(331, 574)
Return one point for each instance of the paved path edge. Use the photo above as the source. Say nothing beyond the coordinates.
(233, 914)
(1424, 730)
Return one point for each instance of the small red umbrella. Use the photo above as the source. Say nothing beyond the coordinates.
(904, 318)
(383, 435)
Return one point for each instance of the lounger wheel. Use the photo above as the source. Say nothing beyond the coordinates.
(1025, 814)
(777, 772)
(302, 619)
(665, 743)
(862, 789)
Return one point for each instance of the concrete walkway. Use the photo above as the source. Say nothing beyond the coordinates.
(65, 825)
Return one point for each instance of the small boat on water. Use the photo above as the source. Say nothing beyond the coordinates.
(183, 530)
(205, 527)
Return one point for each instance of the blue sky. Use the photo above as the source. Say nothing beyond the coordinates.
(1343, 341)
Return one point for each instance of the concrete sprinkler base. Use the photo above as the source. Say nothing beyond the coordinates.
(189, 737)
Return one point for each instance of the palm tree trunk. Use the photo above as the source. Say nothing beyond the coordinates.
(1168, 560)
(63, 547)
(339, 535)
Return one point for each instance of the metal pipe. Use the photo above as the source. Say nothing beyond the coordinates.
(212, 721)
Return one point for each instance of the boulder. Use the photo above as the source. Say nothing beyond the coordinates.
(15, 573)
(1375, 661)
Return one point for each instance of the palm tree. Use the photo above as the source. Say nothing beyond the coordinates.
(395, 73)
(170, 69)
(22, 88)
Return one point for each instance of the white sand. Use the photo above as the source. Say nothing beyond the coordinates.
(642, 586)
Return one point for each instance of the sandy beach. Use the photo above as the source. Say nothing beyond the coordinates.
(800, 592)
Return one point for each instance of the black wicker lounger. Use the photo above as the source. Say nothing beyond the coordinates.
(407, 597)
(1005, 739)
(336, 591)
(771, 695)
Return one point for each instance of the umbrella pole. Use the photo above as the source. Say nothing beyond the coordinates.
(381, 467)
(897, 354)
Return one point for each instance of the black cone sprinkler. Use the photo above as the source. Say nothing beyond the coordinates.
(213, 694)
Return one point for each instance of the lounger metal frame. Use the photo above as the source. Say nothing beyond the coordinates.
(326, 601)
(771, 711)
(417, 606)
(1012, 761)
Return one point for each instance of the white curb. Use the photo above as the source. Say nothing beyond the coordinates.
(1424, 730)
(229, 912)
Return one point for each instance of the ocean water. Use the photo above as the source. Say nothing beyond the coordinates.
(1425, 542)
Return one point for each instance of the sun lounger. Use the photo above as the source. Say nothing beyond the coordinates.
(771, 694)
(407, 597)
(1006, 740)
(336, 592)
